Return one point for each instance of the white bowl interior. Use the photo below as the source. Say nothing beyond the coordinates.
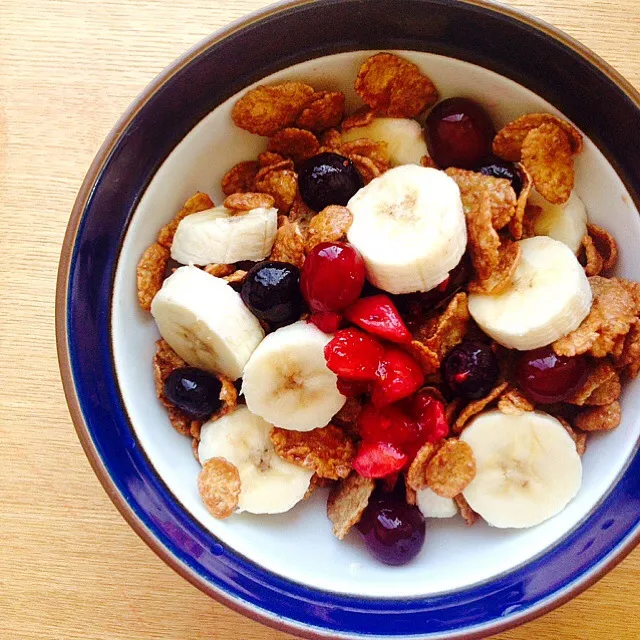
(299, 545)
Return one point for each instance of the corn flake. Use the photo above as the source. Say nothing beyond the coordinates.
(476, 406)
(240, 178)
(297, 144)
(469, 515)
(347, 502)
(603, 418)
(219, 486)
(416, 476)
(410, 494)
(366, 167)
(325, 111)
(317, 482)
(266, 109)
(501, 275)
(362, 117)
(605, 244)
(196, 203)
(451, 469)
(280, 183)
(219, 270)
(248, 201)
(150, 273)
(395, 87)
(594, 261)
(548, 157)
(516, 224)
(301, 213)
(629, 358)
(330, 139)
(601, 387)
(513, 402)
(375, 150)
(289, 244)
(330, 225)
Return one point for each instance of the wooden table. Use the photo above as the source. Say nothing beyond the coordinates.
(69, 565)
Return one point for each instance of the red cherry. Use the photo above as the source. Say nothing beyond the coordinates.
(398, 376)
(332, 276)
(353, 355)
(378, 460)
(460, 133)
(430, 414)
(353, 388)
(327, 321)
(546, 377)
(378, 315)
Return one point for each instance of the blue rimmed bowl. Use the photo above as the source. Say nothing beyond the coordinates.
(177, 137)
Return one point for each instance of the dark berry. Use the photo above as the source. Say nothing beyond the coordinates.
(471, 370)
(459, 133)
(546, 377)
(271, 290)
(393, 531)
(327, 179)
(194, 391)
(332, 276)
(499, 168)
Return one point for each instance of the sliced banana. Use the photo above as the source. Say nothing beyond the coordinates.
(548, 297)
(527, 468)
(287, 381)
(205, 321)
(409, 226)
(220, 236)
(404, 138)
(564, 222)
(433, 506)
(268, 484)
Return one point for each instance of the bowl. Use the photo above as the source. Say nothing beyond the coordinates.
(176, 138)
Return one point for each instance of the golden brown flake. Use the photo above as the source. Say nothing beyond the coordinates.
(366, 168)
(196, 203)
(317, 482)
(579, 439)
(327, 451)
(548, 157)
(347, 501)
(331, 139)
(428, 162)
(297, 144)
(289, 244)
(375, 150)
(516, 225)
(484, 242)
(603, 418)
(451, 469)
(240, 178)
(452, 409)
(605, 244)
(469, 515)
(266, 109)
(273, 160)
(476, 406)
(393, 86)
(594, 261)
(502, 274)
(219, 486)
(280, 183)
(629, 358)
(150, 273)
(362, 117)
(531, 214)
(410, 495)
(325, 111)
(236, 277)
(195, 444)
(248, 201)
(417, 474)
(220, 270)
(301, 212)
(330, 225)
(513, 402)
(601, 387)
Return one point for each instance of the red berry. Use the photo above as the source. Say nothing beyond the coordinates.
(353, 388)
(353, 355)
(546, 377)
(398, 376)
(378, 460)
(378, 315)
(460, 133)
(332, 276)
(327, 321)
(430, 414)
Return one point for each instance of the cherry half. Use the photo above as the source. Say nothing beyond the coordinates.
(459, 133)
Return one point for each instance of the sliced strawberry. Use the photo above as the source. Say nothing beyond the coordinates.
(353, 388)
(389, 424)
(327, 321)
(353, 355)
(398, 376)
(378, 315)
(429, 412)
(379, 459)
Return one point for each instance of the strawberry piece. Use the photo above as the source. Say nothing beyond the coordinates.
(429, 413)
(378, 315)
(353, 355)
(353, 388)
(327, 321)
(377, 460)
(398, 376)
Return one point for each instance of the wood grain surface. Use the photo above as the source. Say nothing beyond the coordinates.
(69, 565)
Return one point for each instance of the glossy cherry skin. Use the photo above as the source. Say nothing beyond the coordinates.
(393, 531)
(332, 276)
(459, 133)
(546, 377)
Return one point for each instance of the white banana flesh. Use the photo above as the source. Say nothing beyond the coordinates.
(564, 222)
(220, 236)
(205, 322)
(527, 468)
(548, 297)
(404, 138)
(287, 381)
(268, 484)
(409, 226)
(432, 505)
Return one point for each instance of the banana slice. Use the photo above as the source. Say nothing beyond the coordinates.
(404, 138)
(268, 484)
(433, 506)
(548, 297)
(205, 322)
(409, 226)
(564, 222)
(527, 465)
(287, 382)
(218, 236)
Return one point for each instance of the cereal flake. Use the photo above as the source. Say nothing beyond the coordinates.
(417, 475)
(325, 111)
(196, 203)
(219, 486)
(280, 183)
(603, 418)
(451, 469)
(150, 273)
(476, 406)
(347, 502)
(330, 225)
(248, 201)
(601, 387)
(289, 244)
(513, 402)
(297, 144)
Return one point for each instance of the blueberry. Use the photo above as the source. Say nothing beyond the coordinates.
(271, 290)
(471, 370)
(194, 391)
(328, 178)
(499, 168)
